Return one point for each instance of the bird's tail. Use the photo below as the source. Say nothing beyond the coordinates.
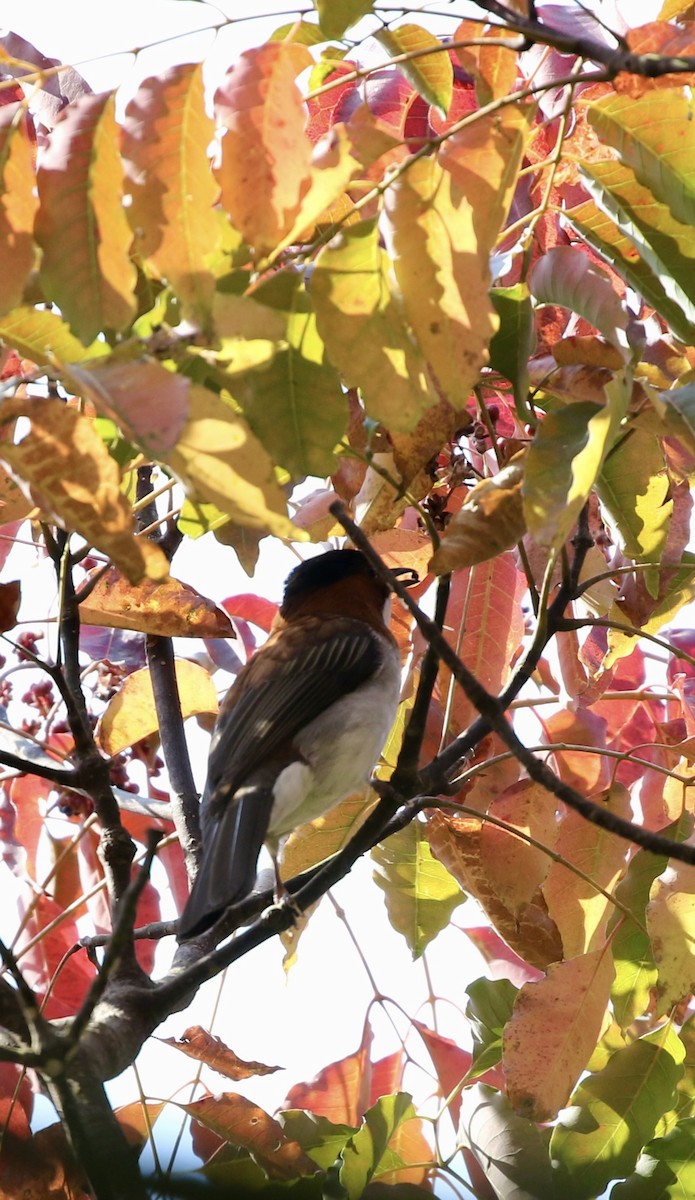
(231, 844)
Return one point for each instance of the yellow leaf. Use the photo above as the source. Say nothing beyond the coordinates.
(670, 917)
(131, 714)
(220, 461)
(429, 69)
(71, 474)
(332, 167)
(442, 274)
(18, 204)
(553, 1030)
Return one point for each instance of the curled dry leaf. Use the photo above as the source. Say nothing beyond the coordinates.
(131, 714)
(169, 609)
(490, 520)
(196, 1042)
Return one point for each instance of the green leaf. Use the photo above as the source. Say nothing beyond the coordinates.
(335, 16)
(364, 328)
(320, 1138)
(621, 236)
(420, 893)
(562, 276)
(430, 72)
(660, 151)
(365, 1151)
(489, 1007)
(635, 969)
(511, 346)
(614, 1113)
(666, 1168)
(634, 487)
(43, 337)
(511, 1150)
(307, 33)
(565, 458)
(666, 247)
(295, 405)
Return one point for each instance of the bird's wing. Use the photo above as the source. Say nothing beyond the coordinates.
(286, 685)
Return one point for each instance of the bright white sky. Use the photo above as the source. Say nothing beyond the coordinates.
(317, 1014)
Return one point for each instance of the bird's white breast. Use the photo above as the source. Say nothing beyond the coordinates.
(338, 749)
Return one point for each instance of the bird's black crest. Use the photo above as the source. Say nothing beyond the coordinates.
(324, 570)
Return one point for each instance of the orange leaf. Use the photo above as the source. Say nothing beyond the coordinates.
(658, 38)
(244, 1124)
(149, 403)
(81, 226)
(19, 204)
(170, 609)
(166, 137)
(131, 714)
(552, 1031)
(340, 1092)
(197, 1043)
(515, 869)
(265, 157)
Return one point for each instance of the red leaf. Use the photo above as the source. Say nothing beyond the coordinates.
(251, 608)
(67, 988)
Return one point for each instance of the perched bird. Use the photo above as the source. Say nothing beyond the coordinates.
(301, 727)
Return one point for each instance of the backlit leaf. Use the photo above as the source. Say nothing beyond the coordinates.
(420, 893)
(511, 346)
(661, 153)
(18, 204)
(670, 919)
(493, 67)
(131, 714)
(553, 1030)
(145, 400)
(247, 1126)
(219, 459)
(295, 404)
(336, 16)
(442, 275)
(70, 471)
(364, 1156)
(81, 225)
(43, 337)
(166, 137)
(265, 160)
(665, 1169)
(363, 327)
(565, 458)
(429, 70)
(516, 869)
(613, 1114)
(665, 245)
(634, 488)
(512, 1151)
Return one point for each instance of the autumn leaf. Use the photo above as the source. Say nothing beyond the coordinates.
(490, 520)
(166, 138)
(18, 204)
(81, 225)
(265, 161)
(132, 714)
(71, 474)
(167, 609)
(428, 66)
(197, 1043)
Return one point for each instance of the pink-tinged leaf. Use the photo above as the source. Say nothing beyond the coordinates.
(166, 137)
(514, 867)
(81, 226)
(265, 155)
(579, 910)
(147, 402)
(257, 609)
(590, 772)
(67, 989)
(339, 1091)
(485, 603)
(452, 1064)
(18, 204)
(564, 277)
(501, 960)
(552, 1032)
(334, 105)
